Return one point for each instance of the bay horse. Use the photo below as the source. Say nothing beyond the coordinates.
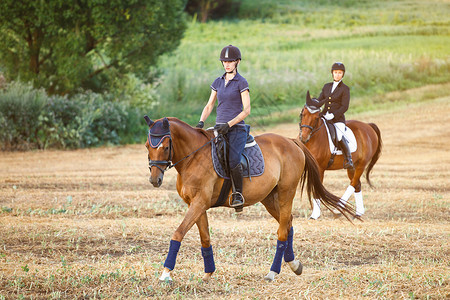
(287, 163)
(369, 144)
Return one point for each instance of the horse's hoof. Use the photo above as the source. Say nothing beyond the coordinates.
(296, 266)
(358, 217)
(270, 277)
(165, 277)
(166, 281)
(314, 217)
(336, 213)
(207, 276)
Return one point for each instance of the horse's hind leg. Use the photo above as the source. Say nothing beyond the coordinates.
(355, 178)
(283, 214)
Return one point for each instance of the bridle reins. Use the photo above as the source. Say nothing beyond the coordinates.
(168, 163)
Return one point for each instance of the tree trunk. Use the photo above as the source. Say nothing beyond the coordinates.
(34, 40)
(205, 6)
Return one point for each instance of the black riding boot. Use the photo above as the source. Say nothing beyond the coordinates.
(237, 199)
(348, 163)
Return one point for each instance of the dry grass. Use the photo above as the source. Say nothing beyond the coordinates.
(87, 224)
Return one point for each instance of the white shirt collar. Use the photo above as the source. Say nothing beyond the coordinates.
(335, 84)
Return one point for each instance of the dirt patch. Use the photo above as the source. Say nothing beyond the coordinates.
(87, 223)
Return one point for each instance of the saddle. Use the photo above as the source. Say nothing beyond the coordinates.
(252, 162)
(332, 134)
(335, 148)
(252, 159)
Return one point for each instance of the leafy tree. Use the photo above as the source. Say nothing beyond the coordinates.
(64, 45)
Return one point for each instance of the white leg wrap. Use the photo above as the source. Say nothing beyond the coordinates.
(165, 276)
(350, 190)
(359, 204)
(316, 209)
(270, 276)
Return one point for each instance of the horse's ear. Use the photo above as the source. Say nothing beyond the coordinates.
(308, 97)
(149, 122)
(166, 123)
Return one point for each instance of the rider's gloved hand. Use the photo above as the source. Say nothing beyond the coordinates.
(200, 124)
(222, 128)
(329, 116)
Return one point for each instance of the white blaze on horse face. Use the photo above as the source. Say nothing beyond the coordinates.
(160, 146)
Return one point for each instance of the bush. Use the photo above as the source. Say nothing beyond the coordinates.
(30, 119)
(20, 108)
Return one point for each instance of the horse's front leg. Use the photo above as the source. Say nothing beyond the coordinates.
(192, 216)
(207, 252)
(283, 213)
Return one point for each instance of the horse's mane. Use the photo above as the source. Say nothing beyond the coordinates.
(208, 134)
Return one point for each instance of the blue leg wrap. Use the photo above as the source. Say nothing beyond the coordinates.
(172, 255)
(276, 265)
(208, 259)
(289, 253)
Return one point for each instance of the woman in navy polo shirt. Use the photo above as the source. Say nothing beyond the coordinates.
(232, 93)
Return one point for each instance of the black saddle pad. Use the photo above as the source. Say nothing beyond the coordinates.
(255, 161)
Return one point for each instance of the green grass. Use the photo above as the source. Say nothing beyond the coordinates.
(386, 46)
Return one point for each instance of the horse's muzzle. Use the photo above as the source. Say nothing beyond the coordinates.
(304, 140)
(156, 182)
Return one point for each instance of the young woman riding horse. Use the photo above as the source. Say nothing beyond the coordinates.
(232, 93)
(336, 97)
(314, 135)
(287, 163)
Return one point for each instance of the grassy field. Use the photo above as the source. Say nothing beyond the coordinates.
(87, 224)
(385, 45)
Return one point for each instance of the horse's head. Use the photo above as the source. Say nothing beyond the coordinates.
(309, 118)
(160, 149)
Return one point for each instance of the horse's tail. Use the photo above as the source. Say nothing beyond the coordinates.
(377, 154)
(315, 187)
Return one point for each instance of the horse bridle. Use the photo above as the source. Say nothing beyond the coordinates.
(168, 163)
(314, 128)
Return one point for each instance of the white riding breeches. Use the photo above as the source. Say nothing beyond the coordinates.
(340, 129)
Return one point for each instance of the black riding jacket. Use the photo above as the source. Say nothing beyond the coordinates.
(337, 102)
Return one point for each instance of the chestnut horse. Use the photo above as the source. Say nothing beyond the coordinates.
(368, 138)
(287, 163)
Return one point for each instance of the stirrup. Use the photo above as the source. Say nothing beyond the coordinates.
(239, 206)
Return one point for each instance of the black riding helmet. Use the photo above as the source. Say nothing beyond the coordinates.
(337, 66)
(230, 53)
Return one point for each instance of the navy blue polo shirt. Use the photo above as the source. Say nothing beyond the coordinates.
(229, 97)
